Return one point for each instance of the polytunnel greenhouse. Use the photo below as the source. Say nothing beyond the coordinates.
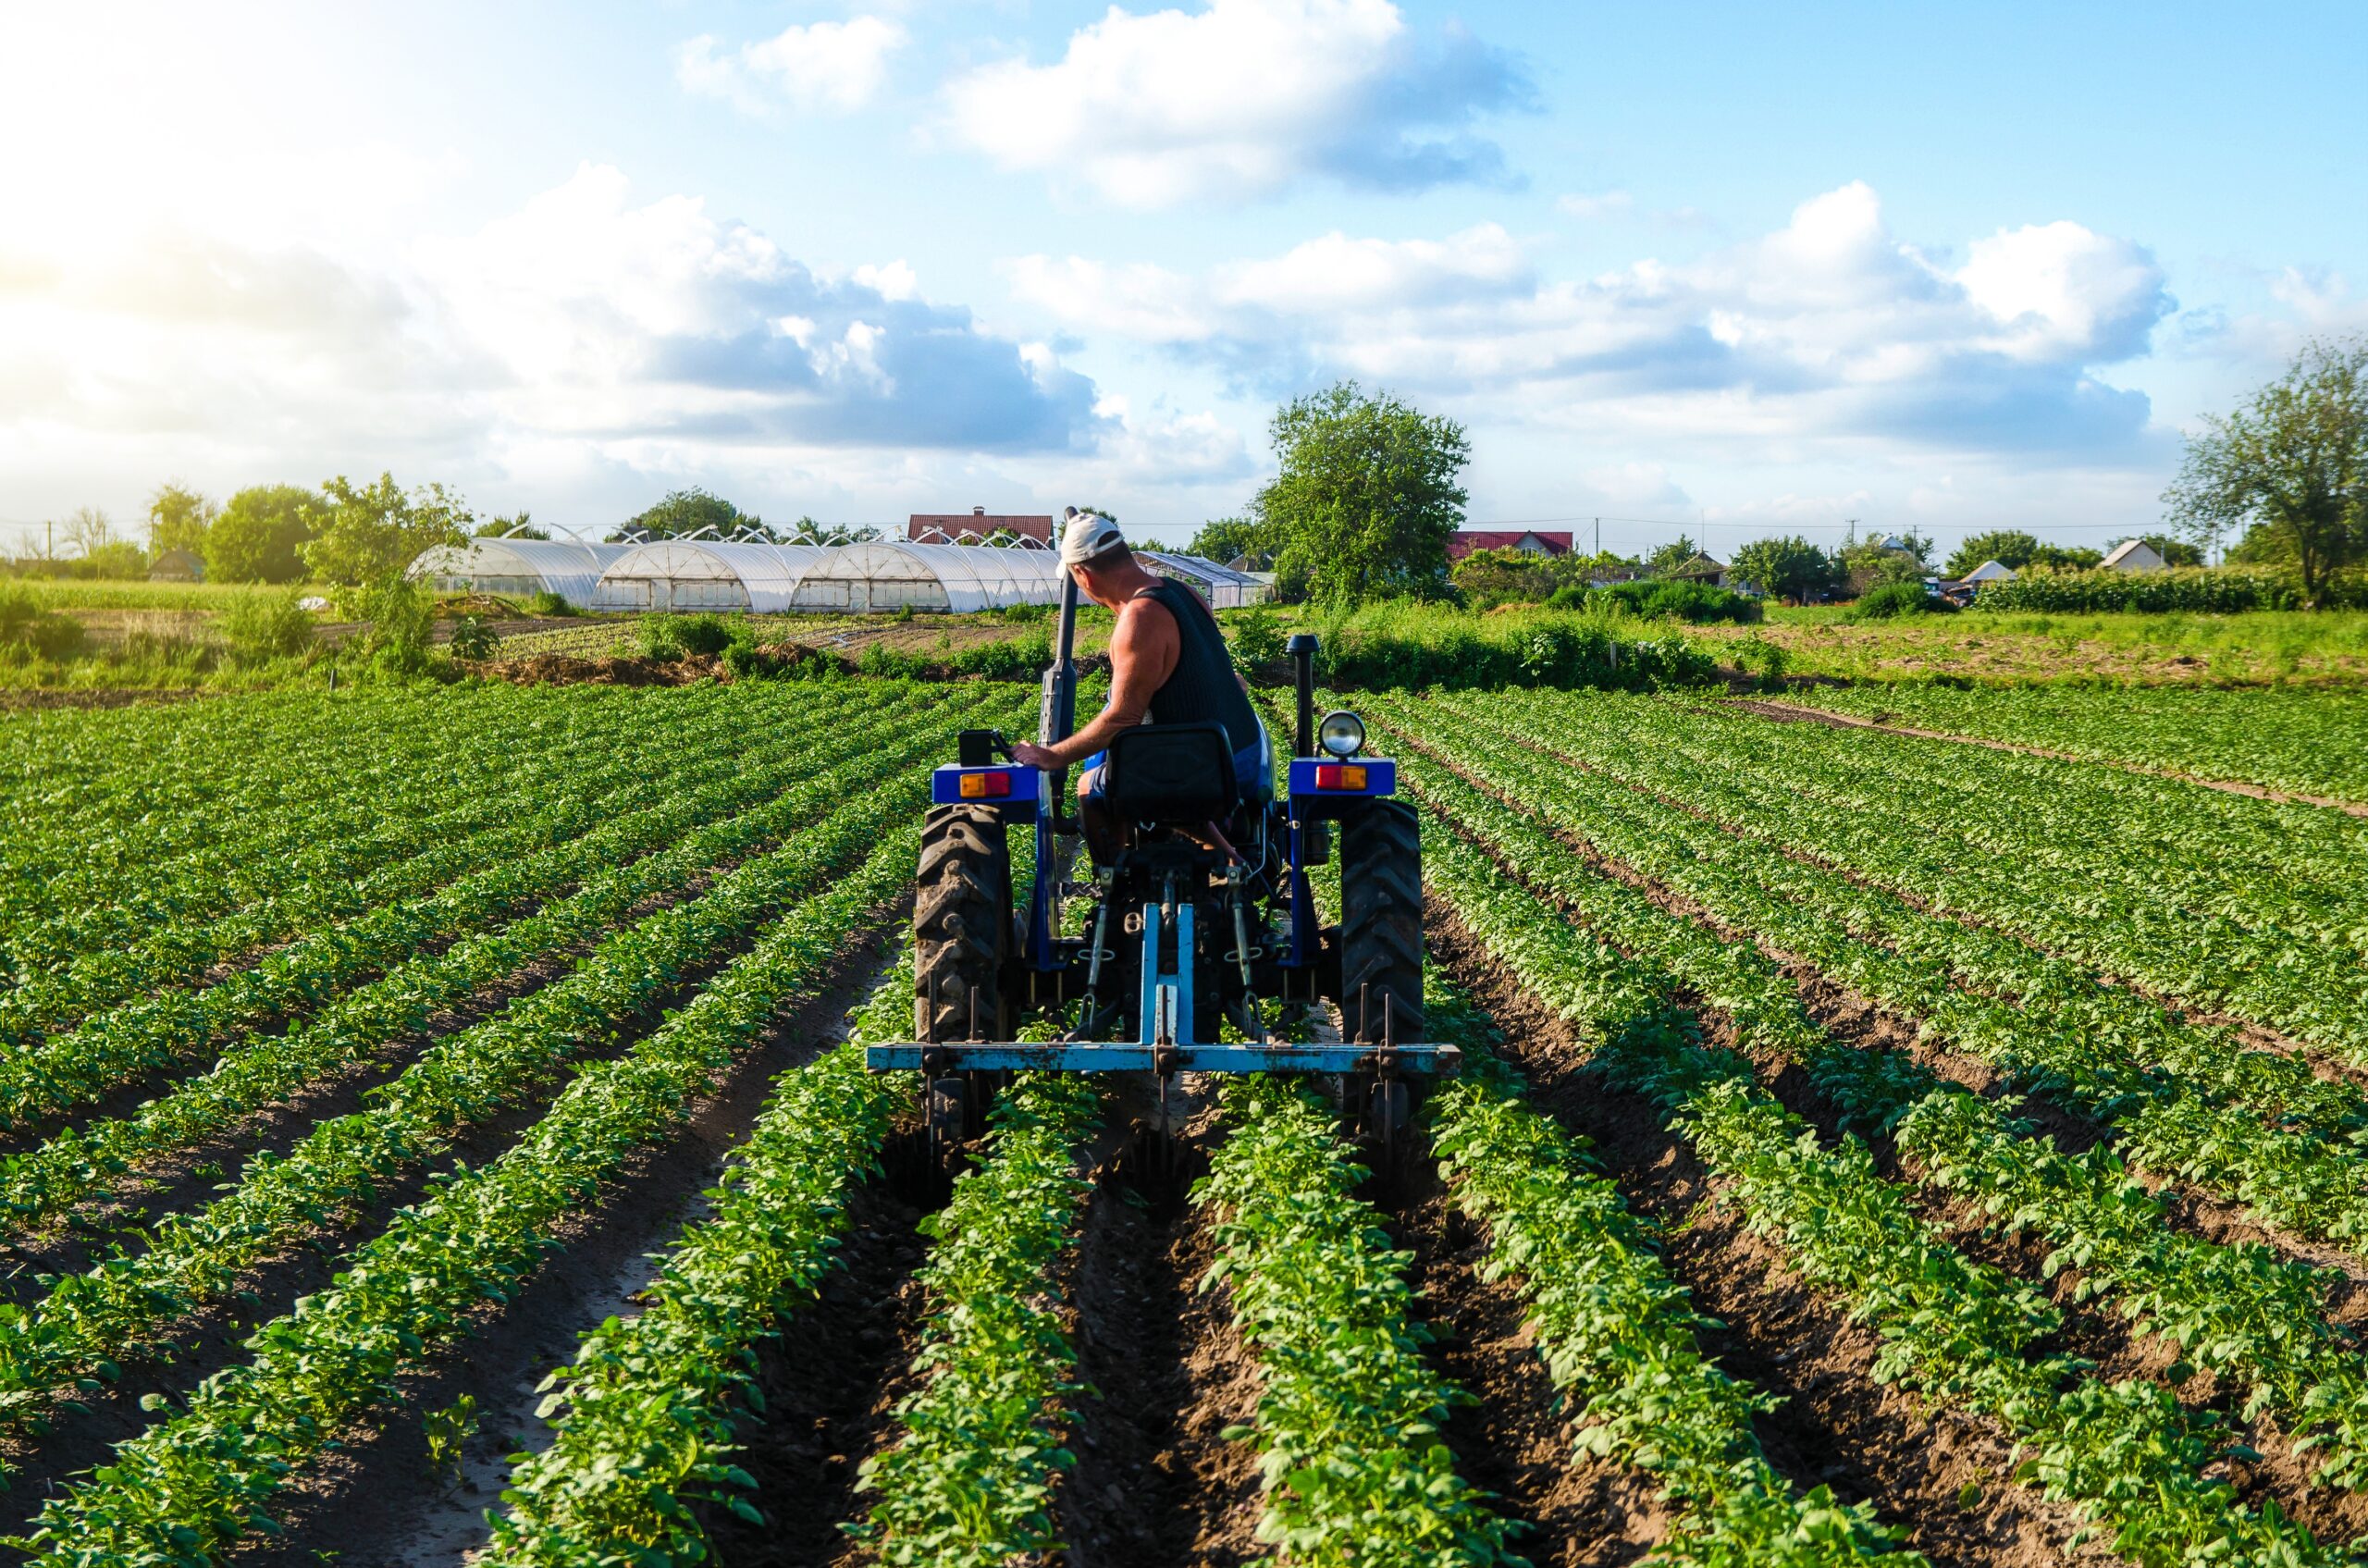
(518, 568)
(707, 575)
(1221, 587)
(887, 575)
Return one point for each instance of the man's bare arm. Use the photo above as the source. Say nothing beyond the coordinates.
(1144, 647)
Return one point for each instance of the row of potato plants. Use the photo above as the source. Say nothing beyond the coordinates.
(1348, 1425)
(373, 887)
(2141, 1041)
(88, 1320)
(409, 784)
(88, 807)
(1620, 1337)
(92, 932)
(1956, 1332)
(969, 1481)
(2238, 1311)
(76, 1068)
(677, 839)
(2201, 847)
(186, 1491)
(646, 1420)
(2309, 740)
(1769, 783)
(2193, 1101)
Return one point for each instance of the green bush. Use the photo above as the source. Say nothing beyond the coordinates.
(263, 626)
(29, 632)
(474, 640)
(1256, 636)
(2222, 590)
(1672, 598)
(660, 637)
(402, 618)
(708, 634)
(1414, 646)
(549, 603)
(1892, 600)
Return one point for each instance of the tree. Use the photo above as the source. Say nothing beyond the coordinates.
(369, 532)
(1223, 539)
(2007, 547)
(2292, 463)
(178, 518)
(260, 534)
(519, 527)
(687, 512)
(1790, 568)
(87, 531)
(1367, 497)
(1672, 555)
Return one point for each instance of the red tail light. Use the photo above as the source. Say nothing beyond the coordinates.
(1339, 775)
(986, 786)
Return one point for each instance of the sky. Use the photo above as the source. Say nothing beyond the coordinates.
(1726, 269)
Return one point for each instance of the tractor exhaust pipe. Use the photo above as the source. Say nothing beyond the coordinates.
(1302, 647)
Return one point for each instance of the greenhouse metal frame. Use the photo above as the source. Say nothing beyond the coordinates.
(518, 568)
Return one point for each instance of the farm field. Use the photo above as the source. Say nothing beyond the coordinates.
(433, 1128)
(2300, 742)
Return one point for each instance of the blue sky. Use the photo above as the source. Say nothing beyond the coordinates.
(1719, 266)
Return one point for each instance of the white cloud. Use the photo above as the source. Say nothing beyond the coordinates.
(1241, 99)
(1602, 204)
(834, 66)
(1829, 327)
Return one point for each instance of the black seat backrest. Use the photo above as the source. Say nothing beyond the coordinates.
(1171, 773)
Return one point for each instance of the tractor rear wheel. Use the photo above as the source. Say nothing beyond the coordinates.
(1381, 923)
(962, 925)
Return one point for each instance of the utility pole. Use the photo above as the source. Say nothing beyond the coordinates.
(1599, 538)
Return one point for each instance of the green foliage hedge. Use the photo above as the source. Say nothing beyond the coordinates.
(1671, 598)
(2211, 590)
(1394, 645)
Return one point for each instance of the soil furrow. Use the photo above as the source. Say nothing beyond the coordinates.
(377, 1502)
(1515, 1440)
(1936, 1472)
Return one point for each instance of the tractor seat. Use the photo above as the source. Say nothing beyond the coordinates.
(1179, 773)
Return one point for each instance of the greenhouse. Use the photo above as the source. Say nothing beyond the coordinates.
(707, 575)
(887, 575)
(1221, 587)
(517, 568)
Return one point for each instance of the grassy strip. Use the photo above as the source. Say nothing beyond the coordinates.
(1355, 1470)
(1618, 1335)
(185, 1491)
(970, 1483)
(1956, 1332)
(647, 1415)
(82, 1162)
(88, 1319)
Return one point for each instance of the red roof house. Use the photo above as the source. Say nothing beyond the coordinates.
(1465, 540)
(940, 528)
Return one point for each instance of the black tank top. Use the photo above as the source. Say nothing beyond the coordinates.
(1201, 688)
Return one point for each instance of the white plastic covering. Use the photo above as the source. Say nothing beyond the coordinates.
(518, 567)
(705, 575)
(888, 575)
(1224, 587)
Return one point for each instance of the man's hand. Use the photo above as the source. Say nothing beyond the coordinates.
(1028, 753)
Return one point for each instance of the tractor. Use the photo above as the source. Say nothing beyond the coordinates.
(1204, 915)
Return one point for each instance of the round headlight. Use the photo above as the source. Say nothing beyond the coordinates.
(1342, 735)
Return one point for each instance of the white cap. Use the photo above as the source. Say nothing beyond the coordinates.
(1086, 536)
